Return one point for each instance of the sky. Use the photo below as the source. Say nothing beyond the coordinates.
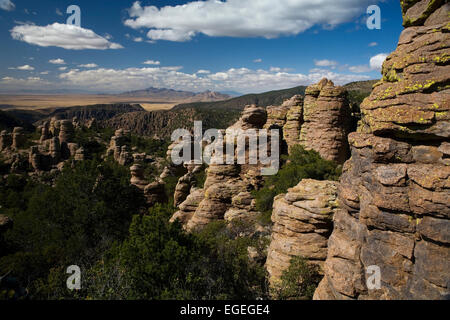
(249, 46)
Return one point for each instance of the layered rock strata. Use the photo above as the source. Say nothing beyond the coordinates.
(302, 225)
(395, 190)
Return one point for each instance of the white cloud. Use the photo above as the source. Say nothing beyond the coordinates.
(373, 44)
(237, 18)
(57, 61)
(376, 62)
(138, 39)
(235, 79)
(257, 60)
(10, 83)
(62, 68)
(201, 71)
(360, 69)
(88, 65)
(62, 35)
(44, 72)
(325, 63)
(7, 5)
(58, 12)
(152, 62)
(23, 68)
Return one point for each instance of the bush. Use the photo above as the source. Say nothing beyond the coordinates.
(300, 164)
(298, 282)
(89, 208)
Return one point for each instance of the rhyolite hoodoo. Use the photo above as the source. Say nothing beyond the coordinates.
(394, 193)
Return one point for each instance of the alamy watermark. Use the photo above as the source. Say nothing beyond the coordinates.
(74, 281)
(374, 19)
(237, 146)
(75, 15)
(373, 281)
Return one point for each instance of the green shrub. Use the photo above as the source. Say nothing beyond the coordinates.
(300, 164)
(298, 282)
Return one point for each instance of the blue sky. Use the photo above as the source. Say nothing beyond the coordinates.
(233, 45)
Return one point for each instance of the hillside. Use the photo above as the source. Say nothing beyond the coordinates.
(8, 122)
(161, 124)
(262, 99)
(163, 94)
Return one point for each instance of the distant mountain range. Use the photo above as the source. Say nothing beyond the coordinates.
(163, 94)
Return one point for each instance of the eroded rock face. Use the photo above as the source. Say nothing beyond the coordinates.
(327, 121)
(395, 190)
(227, 184)
(18, 138)
(302, 225)
(321, 121)
(119, 147)
(189, 206)
(5, 140)
(294, 120)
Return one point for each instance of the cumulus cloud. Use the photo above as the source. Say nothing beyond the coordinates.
(237, 18)
(23, 68)
(7, 5)
(325, 63)
(201, 71)
(376, 62)
(57, 61)
(11, 84)
(88, 65)
(62, 35)
(152, 62)
(257, 60)
(360, 69)
(62, 68)
(235, 79)
(373, 44)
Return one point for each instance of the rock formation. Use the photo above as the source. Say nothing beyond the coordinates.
(302, 225)
(327, 121)
(395, 190)
(5, 140)
(188, 206)
(119, 147)
(294, 120)
(321, 121)
(18, 138)
(226, 185)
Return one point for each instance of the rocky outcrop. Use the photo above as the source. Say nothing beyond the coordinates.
(5, 140)
(119, 147)
(226, 190)
(18, 138)
(327, 121)
(302, 225)
(294, 120)
(321, 121)
(395, 190)
(189, 206)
